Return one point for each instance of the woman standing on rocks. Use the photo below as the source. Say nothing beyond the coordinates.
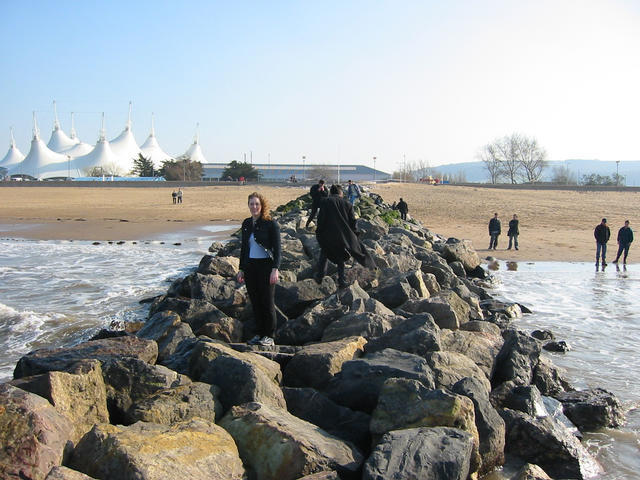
(259, 263)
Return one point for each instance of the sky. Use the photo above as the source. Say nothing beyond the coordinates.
(336, 81)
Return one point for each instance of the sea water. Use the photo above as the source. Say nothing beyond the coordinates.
(597, 312)
(56, 294)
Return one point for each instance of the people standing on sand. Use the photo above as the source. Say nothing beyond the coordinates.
(174, 195)
(513, 232)
(494, 231)
(625, 238)
(337, 236)
(601, 234)
(179, 194)
(353, 192)
(318, 192)
(403, 208)
(260, 255)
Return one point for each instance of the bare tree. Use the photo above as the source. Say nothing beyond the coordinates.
(492, 162)
(530, 155)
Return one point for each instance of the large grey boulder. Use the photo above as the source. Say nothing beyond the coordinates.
(450, 367)
(223, 266)
(418, 334)
(444, 275)
(365, 324)
(490, 425)
(405, 403)
(279, 446)
(294, 298)
(447, 309)
(64, 473)
(241, 377)
(62, 359)
(461, 251)
(394, 292)
(421, 453)
(221, 291)
(314, 407)
(517, 359)
(592, 409)
(79, 395)
(34, 437)
(545, 442)
(530, 471)
(315, 365)
(482, 348)
(358, 385)
(550, 379)
(168, 330)
(196, 449)
(177, 404)
(195, 312)
(226, 329)
(128, 380)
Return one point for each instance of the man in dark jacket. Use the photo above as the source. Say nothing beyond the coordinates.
(625, 237)
(318, 192)
(337, 236)
(513, 232)
(403, 208)
(494, 231)
(601, 234)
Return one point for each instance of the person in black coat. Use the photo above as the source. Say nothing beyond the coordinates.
(625, 237)
(318, 192)
(403, 208)
(513, 232)
(337, 236)
(601, 234)
(494, 231)
(260, 255)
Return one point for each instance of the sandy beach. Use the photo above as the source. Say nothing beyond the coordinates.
(555, 225)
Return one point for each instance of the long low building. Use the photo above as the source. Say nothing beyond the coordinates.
(278, 172)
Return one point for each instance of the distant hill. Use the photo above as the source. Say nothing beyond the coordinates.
(475, 171)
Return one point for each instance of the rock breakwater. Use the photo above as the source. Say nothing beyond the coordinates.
(412, 371)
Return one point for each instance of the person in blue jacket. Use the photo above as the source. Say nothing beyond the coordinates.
(260, 255)
(625, 238)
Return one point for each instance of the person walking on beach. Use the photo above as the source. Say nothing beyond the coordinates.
(260, 255)
(174, 195)
(318, 192)
(353, 192)
(625, 238)
(403, 208)
(494, 231)
(601, 234)
(513, 232)
(179, 194)
(338, 237)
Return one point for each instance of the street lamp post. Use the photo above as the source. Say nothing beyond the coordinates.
(617, 174)
(68, 167)
(303, 168)
(374, 169)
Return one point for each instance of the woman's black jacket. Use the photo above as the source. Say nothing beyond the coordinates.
(267, 234)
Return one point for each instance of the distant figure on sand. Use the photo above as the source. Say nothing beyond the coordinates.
(513, 232)
(260, 255)
(318, 192)
(179, 194)
(494, 231)
(174, 195)
(353, 192)
(625, 238)
(403, 208)
(337, 236)
(601, 234)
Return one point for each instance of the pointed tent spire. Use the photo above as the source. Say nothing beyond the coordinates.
(36, 132)
(128, 126)
(153, 132)
(103, 131)
(13, 140)
(73, 130)
(196, 139)
(56, 123)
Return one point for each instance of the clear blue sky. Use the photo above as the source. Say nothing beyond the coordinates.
(336, 81)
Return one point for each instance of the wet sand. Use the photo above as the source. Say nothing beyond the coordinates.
(554, 225)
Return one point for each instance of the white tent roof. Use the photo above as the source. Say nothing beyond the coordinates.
(59, 140)
(125, 145)
(194, 152)
(13, 156)
(101, 156)
(80, 148)
(40, 162)
(151, 149)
